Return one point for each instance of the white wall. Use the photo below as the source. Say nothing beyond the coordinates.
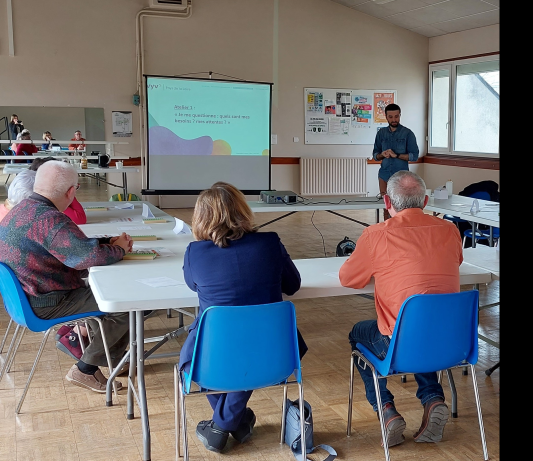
(82, 54)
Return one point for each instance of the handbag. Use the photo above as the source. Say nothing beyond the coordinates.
(293, 436)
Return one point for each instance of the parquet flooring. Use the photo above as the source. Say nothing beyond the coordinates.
(63, 422)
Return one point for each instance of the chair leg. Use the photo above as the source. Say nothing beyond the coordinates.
(176, 412)
(5, 335)
(403, 378)
(380, 412)
(12, 358)
(183, 421)
(302, 420)
(480, 417)
(39, 353)
(489, 371)
(10, 351)
(350, 397)
(107, 354)
(283, 413)
(454, 393)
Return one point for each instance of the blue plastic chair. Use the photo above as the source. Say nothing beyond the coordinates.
(19, 309)
(433, 332)
(482, 234)
(263, 337)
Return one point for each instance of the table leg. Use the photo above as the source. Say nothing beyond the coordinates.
(133, 366)
(377, 215)
(141, 388)
(474, 229)
(125, 185)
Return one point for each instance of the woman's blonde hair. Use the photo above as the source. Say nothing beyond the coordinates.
(221, 214)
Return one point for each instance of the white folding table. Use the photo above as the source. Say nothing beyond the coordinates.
(91, 171)
(329, 204)
(117, 289)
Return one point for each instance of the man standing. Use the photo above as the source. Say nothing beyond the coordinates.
(413, 253)
(395, 146)
(51, 256)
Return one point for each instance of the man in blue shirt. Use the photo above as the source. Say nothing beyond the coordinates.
(395, 146)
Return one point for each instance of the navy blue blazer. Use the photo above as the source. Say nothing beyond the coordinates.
(255, 269)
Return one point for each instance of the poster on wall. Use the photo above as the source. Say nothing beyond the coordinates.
(382, 100)
(344, 116)
(122, 124)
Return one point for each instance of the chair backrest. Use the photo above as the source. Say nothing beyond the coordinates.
(15, 300)
(121, 198)
(482, 195)
(245, 347)
(434, 332)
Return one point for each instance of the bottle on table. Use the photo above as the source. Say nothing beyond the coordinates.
(83, 161)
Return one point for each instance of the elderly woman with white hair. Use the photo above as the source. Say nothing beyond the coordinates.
(20, 188)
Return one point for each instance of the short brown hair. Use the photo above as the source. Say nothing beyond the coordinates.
(221, 214)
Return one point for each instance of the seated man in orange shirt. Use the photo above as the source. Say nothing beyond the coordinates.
(412, 253)
(77, 146)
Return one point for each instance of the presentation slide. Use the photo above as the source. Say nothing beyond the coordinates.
(201, 131)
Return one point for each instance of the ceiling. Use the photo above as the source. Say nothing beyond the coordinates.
(431, 17)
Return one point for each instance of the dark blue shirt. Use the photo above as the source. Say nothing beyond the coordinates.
(401, 141)
(255, 269)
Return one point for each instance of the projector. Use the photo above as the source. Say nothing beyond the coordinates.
(278, 196)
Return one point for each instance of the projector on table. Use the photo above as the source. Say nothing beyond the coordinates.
(278, 196)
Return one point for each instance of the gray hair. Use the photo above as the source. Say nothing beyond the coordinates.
(406, 190)
(54, 179)
(20, 188)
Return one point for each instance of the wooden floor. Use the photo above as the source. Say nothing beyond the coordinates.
(61, 422)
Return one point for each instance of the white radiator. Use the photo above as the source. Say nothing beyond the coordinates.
(333, 176)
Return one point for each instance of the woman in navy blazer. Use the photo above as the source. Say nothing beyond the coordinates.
(231, 264)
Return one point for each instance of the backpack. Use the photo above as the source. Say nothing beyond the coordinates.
(345, 247)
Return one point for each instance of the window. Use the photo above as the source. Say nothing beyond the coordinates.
(464, 102)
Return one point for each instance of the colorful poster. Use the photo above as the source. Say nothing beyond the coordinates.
(315, 102)
(329, 107)
(361, 110)
(381, 100)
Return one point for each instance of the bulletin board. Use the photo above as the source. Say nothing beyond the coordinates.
(345, 116)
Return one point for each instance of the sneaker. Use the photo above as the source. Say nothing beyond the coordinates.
(63, 331)
(96, 382)
(212, 436)
(394, 425)
(245, 429)
(435, 417)
(70, 345)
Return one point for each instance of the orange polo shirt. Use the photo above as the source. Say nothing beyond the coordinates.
(411, 253)
(74, 146)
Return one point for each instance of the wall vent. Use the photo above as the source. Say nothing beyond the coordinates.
(175, 5)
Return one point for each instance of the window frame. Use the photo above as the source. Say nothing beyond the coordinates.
(451, 66)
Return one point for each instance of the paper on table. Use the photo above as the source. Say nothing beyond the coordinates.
(160, 282)
(147, 213)
(181, 227)
(99, 236)
(160, 251)
(134, 219)
(125, 206)
(127, 228)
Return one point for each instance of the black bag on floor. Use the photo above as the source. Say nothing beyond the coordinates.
(345, 247)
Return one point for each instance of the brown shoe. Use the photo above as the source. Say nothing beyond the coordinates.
(96, 382)
(394, 425)
(433, 421)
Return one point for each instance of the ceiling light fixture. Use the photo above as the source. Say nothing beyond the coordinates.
(381, 2)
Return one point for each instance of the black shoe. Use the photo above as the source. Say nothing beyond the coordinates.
(246, 426)
(435, 417)
(213, 437)
(394, 425)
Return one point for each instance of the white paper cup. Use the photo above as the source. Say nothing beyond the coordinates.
(119, 165)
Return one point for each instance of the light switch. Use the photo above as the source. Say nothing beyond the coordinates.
(296, 139)
(273, 139)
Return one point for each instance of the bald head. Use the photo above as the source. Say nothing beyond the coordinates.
(54, 180)
(406, 190)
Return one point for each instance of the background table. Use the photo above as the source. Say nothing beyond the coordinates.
(329, 204)
(91, 171)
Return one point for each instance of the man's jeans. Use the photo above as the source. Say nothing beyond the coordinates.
(368, 334)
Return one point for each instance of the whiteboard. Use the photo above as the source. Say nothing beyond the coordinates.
(345, 116)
